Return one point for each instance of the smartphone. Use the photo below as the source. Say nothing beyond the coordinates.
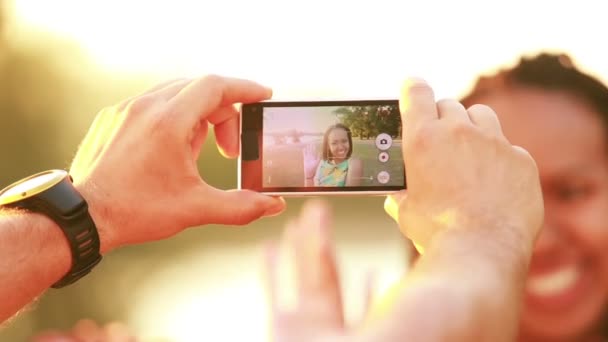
(341, 147)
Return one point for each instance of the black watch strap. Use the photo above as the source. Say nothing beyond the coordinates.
(83, 238)
(52, 193)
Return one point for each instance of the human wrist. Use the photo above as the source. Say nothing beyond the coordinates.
(46, 229)
(36, 262)
(505, 248)
(487, 268)
(99, 215)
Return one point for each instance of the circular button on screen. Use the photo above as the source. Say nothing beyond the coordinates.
(384, 141)
(383, 177)
(383, 157)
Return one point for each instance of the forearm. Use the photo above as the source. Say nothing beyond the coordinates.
(452, 294)
(34, 254)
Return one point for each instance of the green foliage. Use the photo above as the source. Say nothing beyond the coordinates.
(366, 122)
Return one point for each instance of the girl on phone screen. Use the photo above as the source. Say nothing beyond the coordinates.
(336, 167)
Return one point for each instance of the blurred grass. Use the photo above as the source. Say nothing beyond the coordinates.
(287, 167)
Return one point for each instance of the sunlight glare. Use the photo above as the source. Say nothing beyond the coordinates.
(321, 47)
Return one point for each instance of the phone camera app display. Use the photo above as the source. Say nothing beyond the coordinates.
(332, 146)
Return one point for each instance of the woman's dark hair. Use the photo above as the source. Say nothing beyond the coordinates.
(327, 155)
(548, 72)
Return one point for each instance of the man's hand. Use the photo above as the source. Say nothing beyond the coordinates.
(473, 208)
(137, 165)
(473, 199)
(462, 173)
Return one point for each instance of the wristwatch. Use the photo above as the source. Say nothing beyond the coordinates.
(52, 193)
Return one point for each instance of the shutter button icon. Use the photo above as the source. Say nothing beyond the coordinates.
(383, 157)
(384, 141)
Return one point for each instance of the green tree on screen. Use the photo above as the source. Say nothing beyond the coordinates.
(366, 122)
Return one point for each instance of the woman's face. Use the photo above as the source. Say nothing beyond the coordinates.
(567, 286)
(338, 143)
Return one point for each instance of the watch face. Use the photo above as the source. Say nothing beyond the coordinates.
(31, 186)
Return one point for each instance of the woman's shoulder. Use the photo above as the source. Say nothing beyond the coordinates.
(355, 162)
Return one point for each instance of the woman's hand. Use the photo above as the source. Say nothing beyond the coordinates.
(311, 160)
(305, 251)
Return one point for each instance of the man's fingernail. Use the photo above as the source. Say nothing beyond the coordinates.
(275, 208)
(408, 86)
(272, 211)
(268, 91)
(414, 81)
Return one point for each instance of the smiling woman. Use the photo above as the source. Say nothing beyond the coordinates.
(560, 115)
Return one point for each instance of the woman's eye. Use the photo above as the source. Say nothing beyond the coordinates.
(572, 193)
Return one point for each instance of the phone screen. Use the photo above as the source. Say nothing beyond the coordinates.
(327, 147)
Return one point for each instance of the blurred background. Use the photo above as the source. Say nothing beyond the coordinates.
(62, 61)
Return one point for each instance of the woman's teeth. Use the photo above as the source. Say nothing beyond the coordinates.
(554, 282)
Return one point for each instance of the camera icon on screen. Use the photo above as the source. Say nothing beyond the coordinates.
(384, 141)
